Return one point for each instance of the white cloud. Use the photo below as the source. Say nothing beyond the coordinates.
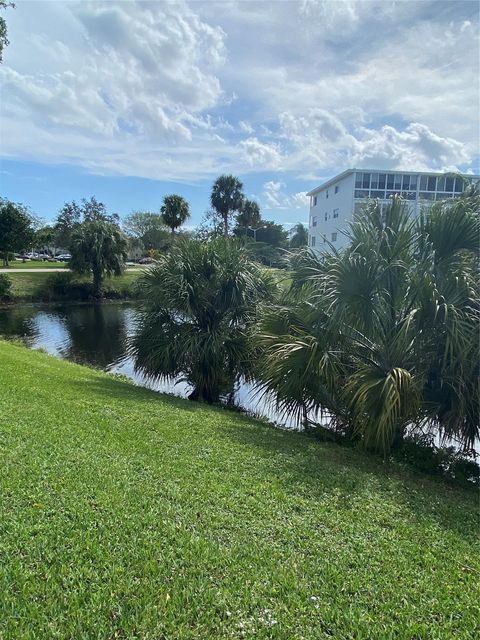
(274, 196)
(261, 155)
(185, 91)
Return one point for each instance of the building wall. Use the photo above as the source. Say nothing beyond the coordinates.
(329, 204)
(333, 211)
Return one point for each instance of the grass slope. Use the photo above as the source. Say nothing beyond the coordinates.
(125, 514)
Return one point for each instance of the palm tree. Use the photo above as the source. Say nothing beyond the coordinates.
(98, 247)
(175, 211)
(299, 236)
(201, 301)
(249, 216)
(226, 198)
(383, 336)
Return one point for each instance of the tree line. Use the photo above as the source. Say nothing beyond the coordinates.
(86, 229)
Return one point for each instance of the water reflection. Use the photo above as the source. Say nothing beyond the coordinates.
(96, 335)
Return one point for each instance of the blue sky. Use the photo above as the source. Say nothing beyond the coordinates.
(130, 101)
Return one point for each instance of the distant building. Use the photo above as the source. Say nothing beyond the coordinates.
(333, 203)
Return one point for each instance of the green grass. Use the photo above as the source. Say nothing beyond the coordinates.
(36, 264)
(29, 286)
(125, 514)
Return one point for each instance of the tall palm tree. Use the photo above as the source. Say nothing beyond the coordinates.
(226, 198)
(175, 212)
(383, 336)
(201, 301)
(299, 236)
(249, 216)
(98, 247)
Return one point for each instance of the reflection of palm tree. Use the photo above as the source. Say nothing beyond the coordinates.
(97, 334)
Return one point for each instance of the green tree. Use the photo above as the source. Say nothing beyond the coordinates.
(175, 211)
(98, 247)
(69, 217)
(299, 236)
(248, 217)
(272, 233)
(16, 228)
(4, 42)
(45, 237)
(72, 214)
(148, 228)
(227, 198)
(382, 337)
(201, 300)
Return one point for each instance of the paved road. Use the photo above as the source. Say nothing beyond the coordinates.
(51, 270)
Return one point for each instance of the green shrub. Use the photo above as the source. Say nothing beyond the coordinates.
(5, 287)
(64, 286)
(420, 452)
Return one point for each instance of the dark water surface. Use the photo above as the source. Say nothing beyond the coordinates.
(96, 335)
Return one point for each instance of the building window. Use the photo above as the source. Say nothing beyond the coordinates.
(406, 183)
(336, 189)
(327, 193)
(382, 178)
(390, 181)
(459, 185)
(324, 238)
(397, 185)
(358, 180)
(314, 221)
(448, 184)
(431, 183)
(312, 241)
(314, 201)
(335, 213)
(326, 215)
(361, 194)
(334, 236)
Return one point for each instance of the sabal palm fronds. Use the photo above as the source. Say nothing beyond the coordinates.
(384, 334)
(201, 301)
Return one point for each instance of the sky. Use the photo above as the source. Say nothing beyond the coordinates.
(131, 101)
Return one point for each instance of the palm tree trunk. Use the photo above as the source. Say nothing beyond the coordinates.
(225, 225)
(5, 259)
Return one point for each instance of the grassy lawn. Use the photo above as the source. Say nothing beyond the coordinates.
(125, 514)
(36, 264)
(26, 286)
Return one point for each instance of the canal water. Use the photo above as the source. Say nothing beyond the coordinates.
(96, 335)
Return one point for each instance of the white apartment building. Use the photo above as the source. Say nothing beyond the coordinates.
(333, 203)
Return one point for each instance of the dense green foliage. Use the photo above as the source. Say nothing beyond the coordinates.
(299, 236)
(200, 302)
(175, 212)
(72, 214)
(98, 247)
(383, 336)
(148, 229)
(5, 287)
(16, 229)
(125, 514)
(50, 287)
(249, 217)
